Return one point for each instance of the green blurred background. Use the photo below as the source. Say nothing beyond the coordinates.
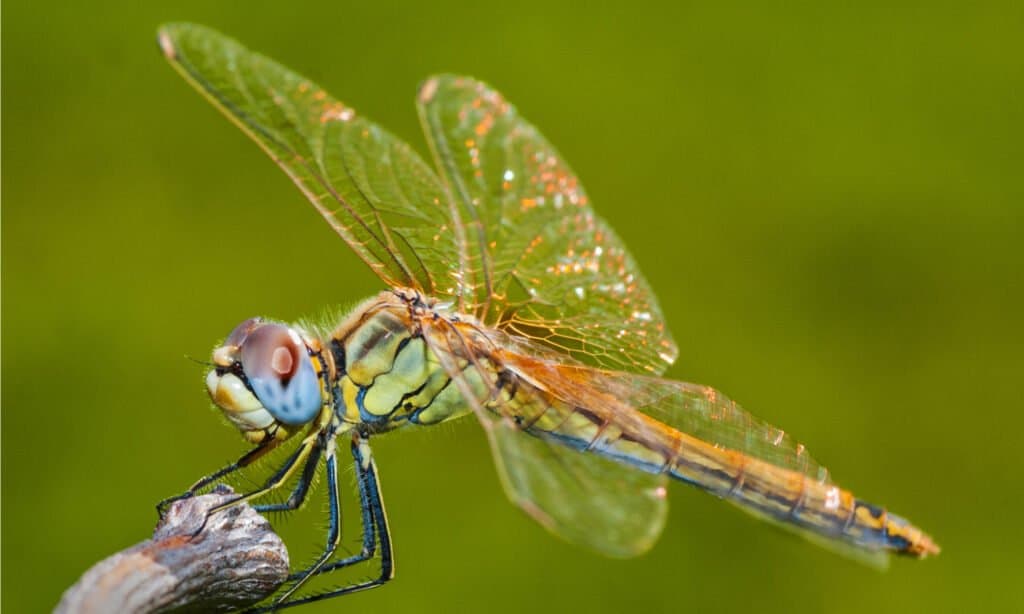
(827, 200)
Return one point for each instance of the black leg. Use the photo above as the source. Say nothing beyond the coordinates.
(274, 482)
(245, 460)
(371, 507)
(375, 526)
(298, 495)
(333, 528)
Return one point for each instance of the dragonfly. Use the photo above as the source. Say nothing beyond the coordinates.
(508, 298)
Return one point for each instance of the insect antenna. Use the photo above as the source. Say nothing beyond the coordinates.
(205, 363)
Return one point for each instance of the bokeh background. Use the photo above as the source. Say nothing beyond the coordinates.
(827, 200)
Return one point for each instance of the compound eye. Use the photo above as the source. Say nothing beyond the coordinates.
(238, 336)
(275, 361)
(270, 352)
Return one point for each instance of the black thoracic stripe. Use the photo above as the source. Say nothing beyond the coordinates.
(340, 341)
(385, 326)
(394, 359)
(338, 354)
(409, 395)
(401, 346)
(413, 417)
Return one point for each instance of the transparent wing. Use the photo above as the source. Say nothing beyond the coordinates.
(585, 450)
(698, 411)
(515, 242)
(583, 498)
(538, 262)
(371, 187)
(696, 434)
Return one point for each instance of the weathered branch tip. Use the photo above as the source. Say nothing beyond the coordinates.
(235, 561)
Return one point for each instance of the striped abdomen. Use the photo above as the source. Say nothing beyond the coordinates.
(796, 500)
(785, 496)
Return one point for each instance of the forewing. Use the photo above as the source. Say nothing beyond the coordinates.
(371, 187)
(539, 262)
(583, 498)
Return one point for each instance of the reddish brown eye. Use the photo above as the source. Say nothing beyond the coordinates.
(269, 351)
(238, 336)
(279, 371)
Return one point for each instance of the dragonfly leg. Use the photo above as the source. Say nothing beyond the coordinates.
(274, 482)
(333, 526)
(371, 508)
(375, 526)
(298, 495)
(245, 460)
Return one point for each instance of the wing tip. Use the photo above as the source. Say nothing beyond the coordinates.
(165, 41)
(428, 89)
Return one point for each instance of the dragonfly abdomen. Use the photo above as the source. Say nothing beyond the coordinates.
(804, 501)
(796, 501)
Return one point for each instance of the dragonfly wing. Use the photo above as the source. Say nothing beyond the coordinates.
(540, 263)
(586, 450)
(509, 234)
(587, 500)
(700, 436)
(371, 187)
(698, 411)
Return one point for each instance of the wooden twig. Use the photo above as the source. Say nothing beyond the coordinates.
(235, 561)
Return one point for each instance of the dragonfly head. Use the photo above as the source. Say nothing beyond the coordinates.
(264, 380)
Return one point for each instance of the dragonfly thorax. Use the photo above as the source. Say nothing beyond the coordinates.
(386, 374)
